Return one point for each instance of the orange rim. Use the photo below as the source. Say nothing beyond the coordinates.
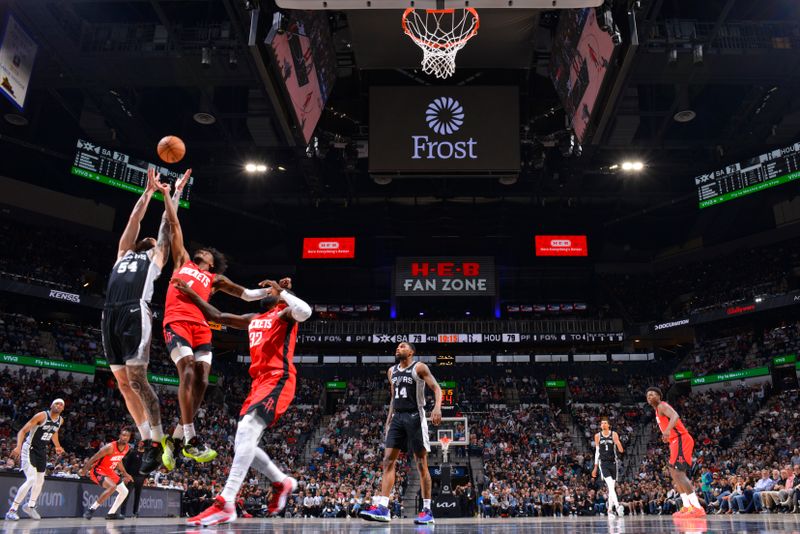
(429, 44)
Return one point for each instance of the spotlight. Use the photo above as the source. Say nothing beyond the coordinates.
(281, 168)
(631, 166)
(251, 167)
(261, 168)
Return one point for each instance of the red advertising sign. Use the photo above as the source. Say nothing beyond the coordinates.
(329, 247)
(561, 245)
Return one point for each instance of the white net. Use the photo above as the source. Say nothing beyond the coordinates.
(440, 33)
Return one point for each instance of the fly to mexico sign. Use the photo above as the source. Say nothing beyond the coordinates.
(445, 276)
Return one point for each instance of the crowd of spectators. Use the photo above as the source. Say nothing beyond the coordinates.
(23, 336)
(727, 280)
(55, 257)
(743, 348)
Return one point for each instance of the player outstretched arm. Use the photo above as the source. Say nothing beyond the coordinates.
(131, 232)
(425, 374)
(210, 312)
(618, 443)
(297, 310)
(179, 253)
(36, 420)
(105, 450)
(224, 284)
(169, 220)
(668, 411)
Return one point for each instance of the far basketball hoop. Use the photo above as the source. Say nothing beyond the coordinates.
(440, 33)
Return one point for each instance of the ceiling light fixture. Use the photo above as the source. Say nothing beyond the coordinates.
(631, 166)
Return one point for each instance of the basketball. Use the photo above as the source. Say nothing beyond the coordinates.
(171, 149)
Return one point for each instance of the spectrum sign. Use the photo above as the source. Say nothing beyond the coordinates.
(329, 248)
(561, 245)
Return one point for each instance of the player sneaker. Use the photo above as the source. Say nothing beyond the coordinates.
(88, 514)
(620, 510)
(31, 511)
(695, 512)
(376, 513)
(280, 493)
(152, 458)
(682, 512)
(115, 517)
(219, 512)
(168, 455)
(199, 452)
(425, 517)
(11, 515)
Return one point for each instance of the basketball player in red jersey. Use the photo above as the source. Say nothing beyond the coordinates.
(681, 447)
(272, 338)
(105, 474)
(188, 338)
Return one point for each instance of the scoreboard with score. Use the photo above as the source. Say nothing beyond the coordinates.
(449, 392)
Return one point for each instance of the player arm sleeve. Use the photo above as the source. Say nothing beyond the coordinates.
(253, 294)
(596, 453)
(299, 308)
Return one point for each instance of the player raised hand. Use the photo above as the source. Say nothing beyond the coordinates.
(180, 184)
(153, 179)
(284, 283)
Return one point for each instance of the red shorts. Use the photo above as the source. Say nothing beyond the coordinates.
(270, 396)
(98, 473)
(196, 336)
(680, 452)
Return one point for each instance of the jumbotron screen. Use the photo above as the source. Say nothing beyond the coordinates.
(120, 170)
(579, 64)
(776, 167)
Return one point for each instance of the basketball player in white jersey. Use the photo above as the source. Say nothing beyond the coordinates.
(40, 430)
(407, 428)
(606, 445)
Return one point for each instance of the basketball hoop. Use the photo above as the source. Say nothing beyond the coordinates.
(444, 441)
(440, 33)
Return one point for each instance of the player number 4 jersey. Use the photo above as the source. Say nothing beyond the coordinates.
(179, 307)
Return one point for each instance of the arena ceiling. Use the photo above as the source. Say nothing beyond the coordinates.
(125, 72)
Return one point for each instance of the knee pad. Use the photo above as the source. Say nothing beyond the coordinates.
(204, 356)
(180, 352)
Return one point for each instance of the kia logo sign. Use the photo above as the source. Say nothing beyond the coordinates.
(450, 504)
(561, 245)
(329, 247)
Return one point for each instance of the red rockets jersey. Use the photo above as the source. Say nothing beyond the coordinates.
(178, 306)
(109, 463)
(272, 341)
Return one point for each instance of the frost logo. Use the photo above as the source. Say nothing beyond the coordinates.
(561, 243)
(445, 115)
(328, 245)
